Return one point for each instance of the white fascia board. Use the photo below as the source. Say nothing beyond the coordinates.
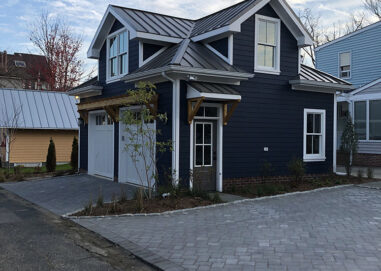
(375, 82)
(148, 36)
(194, 93)
(215, 32)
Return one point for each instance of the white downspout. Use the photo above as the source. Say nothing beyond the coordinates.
(7, 154)
(334, 132)
(175, 127)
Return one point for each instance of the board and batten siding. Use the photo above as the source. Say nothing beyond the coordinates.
(270, 113)
(365, 48)
(31, 146)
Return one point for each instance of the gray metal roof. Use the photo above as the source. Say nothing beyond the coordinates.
(311, 74)
(373, 87)
(213, 88)
(189, 54)
(154, 23)
(38, 109)
(222, 18)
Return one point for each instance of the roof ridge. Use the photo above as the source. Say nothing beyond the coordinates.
(180, 52)
(152, 12)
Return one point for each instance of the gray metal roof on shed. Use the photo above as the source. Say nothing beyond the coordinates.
(213, 88)
(189, 54)
(311, 74)
(154, 23)
(38, 109)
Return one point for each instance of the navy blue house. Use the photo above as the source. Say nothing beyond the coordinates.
(231, 83)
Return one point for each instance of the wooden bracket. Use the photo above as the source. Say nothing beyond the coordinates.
(228, 113)
(84, 115)
(113, 112)
(192, 111)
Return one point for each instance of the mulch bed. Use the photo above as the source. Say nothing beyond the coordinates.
(277, 188)
(155, 205)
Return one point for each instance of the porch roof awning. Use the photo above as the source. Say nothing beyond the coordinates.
(211, 91)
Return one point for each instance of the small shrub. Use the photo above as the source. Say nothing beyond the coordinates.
(139, 199)
(74, 154)
(216, 198)
(123, 196)
(349, 144)
(370, 173)
(360, 174)
(266, 170)
(88, 208)
(100, 201)
(17, 170)
(197, 193)
(51, 157)
(296, 168)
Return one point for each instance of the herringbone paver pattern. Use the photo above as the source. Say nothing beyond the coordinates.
(336, 229)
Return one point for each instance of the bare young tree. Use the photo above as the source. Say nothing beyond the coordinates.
(374, 7)
(10, 124)
(312, 24)
(61, 47)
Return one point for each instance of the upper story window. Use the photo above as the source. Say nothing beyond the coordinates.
(314, 135)
(267, 45)
(345, 65)
(117, 53)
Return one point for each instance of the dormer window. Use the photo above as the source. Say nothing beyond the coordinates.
(267, 45)
(117, 52)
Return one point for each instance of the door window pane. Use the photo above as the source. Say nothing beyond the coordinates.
(208, 134)
(199, 134)
(360, 120)
(199, 155)
(375, 120)
(207, 155)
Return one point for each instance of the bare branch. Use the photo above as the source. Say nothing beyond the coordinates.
(374, 7)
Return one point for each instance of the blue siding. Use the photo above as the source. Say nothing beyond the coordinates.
(83, 146)
(221, 46)
(366, 51)
(270, 113)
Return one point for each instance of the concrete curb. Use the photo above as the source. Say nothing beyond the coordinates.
(185, 211)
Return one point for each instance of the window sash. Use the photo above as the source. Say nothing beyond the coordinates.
(314, 135)
(118, 54)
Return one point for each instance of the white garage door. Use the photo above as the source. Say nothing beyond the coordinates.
(129, 170)
(101, 145)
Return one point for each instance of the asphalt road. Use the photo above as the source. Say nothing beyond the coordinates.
(34, 239)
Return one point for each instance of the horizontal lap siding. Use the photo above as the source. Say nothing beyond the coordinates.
(31, 146)
(369, 147)
(270, 113)
(366, 60)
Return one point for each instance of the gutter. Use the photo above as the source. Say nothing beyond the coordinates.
(175, 127)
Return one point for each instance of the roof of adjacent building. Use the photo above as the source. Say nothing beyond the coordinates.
(91, 82)
(32, 109)
(311, 74)
(362, 30)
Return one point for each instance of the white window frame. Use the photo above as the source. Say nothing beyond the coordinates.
(261, 69)
(367, 123)
(350, 64)
(115, 78)
(315, 157)
(203, 144)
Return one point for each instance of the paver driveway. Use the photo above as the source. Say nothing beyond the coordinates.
(67, 194)
(335, 229)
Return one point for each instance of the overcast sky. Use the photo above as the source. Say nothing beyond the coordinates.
(84, 15)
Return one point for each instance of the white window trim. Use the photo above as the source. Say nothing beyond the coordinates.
(116, 78)
(314, 157)
(339, 67)
(367, 120)
(260, 69)
(141, 51)
(228, 59)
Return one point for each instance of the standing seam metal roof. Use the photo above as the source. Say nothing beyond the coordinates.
(308, 73)
(38, 109)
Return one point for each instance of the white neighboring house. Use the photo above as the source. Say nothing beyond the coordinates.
(364, 106)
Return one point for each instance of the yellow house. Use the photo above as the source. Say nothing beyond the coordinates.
(29, 118)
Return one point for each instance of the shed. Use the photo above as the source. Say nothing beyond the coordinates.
(35, 117)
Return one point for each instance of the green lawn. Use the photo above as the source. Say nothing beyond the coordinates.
(30, 170)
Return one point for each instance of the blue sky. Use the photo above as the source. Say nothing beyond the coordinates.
(84, 16)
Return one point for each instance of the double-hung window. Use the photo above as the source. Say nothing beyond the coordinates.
(267, 45)
(367, 119)
(117, 51)
(360, 119)
(314, 135)
(345, 65)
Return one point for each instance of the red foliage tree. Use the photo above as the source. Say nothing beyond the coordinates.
(61, 48)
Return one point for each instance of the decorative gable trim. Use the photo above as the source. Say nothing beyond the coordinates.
(228, 59)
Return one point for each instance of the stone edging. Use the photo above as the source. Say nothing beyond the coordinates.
(184, 211)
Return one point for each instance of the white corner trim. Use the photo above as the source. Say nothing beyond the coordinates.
(314, 157)
(334, 133)
(260, 69)
(141, 52)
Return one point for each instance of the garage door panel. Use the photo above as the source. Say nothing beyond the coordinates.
(101, 145)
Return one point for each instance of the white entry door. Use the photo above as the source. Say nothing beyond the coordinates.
(101, 145)
(131, 171)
